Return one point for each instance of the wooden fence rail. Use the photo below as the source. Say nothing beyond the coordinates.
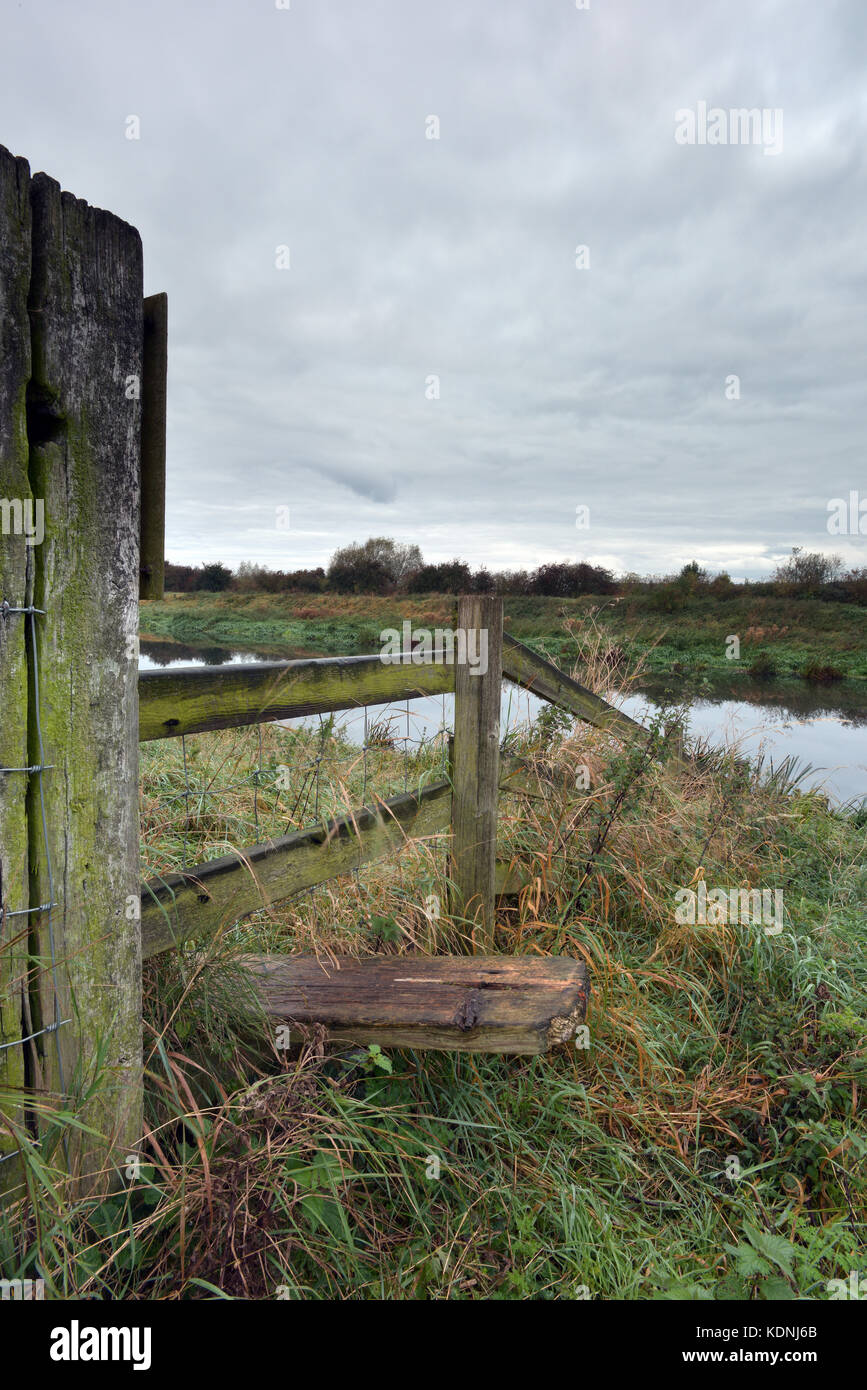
(219, 892)
(531, 671)
(190, 701)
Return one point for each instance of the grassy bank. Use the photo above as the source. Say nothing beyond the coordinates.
(779, 638)
(308, 622)
(706, 1143)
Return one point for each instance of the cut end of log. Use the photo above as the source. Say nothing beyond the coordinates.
(507, 1004)
(562, 1030)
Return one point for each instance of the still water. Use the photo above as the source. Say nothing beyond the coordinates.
(824, 727)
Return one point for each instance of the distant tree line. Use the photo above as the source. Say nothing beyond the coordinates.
(380, 565)
(248, 579)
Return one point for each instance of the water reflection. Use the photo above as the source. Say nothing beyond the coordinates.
(825, 730)
(795, 699)
(156, 655)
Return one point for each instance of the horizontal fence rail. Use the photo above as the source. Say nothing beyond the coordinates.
(194, 700)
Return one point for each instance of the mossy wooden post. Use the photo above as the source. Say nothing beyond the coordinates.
(476, 764)
(153, 446)
(14, 559)
(85, 427)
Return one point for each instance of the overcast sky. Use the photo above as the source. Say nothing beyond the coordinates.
(412, 258)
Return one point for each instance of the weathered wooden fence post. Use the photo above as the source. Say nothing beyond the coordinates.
(83, 409)
(476, 763)
(155, 363)
(15, 495)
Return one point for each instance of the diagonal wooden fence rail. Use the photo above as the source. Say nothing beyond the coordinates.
(197, 902)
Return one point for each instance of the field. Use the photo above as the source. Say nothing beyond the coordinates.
(779, 638)
(706, 1141)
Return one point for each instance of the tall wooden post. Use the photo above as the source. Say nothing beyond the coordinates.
(80, 706)
(153, 446)
(15, 495)
(476, 764)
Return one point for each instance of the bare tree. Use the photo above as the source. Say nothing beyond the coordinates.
(806, 571)
(396, 558)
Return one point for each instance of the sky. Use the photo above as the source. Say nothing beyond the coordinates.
(368, 215)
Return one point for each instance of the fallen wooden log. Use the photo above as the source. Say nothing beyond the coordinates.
(515, 1004)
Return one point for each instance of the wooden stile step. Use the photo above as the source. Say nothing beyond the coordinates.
(518, 1004)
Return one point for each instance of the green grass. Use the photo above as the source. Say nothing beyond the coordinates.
(792, 633)
(274, 622)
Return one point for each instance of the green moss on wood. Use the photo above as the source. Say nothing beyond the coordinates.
(217, 894)
(183, 702)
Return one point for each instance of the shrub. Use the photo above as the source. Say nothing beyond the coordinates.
(360, 576)
(214, 578)
(805, 572)
(449, 577)
(815, 671)
(763, 667)
(360, 567)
